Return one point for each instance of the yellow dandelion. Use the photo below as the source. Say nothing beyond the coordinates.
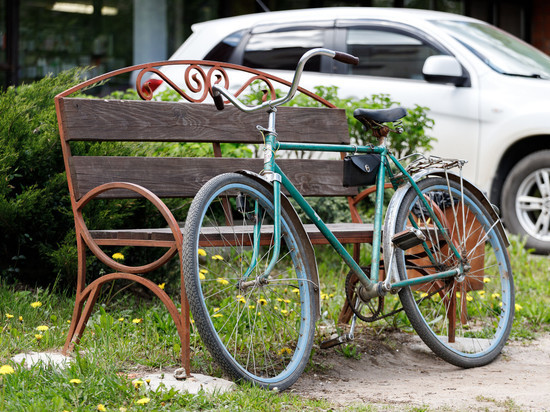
(486, 280)
(201, 252)
(262, 301)
(137, 383)
(203, 271)
(324, 296)
(137, 320)
(276, 308)
(424, 294)
(217, 315)
(469, 298)
(20, 318)
(297, 291)
(121, 319)
(9, 315)
(286, 300)
(217, 257)
(162, 285)
(481, 293)
(201, 276)
(458, 295)
(118, 256)
(495, 295)
(284, 311)
(6, 370)
(148, 381)
(216, 309)
(251, 306)
(331, 295)
(38, 336)
(36, 304)
(285, 350)
(222, 281)
(76, 381)
(279, 300)
(42, 328)
(242, 300)
(143, 401)
(101, 407)
(518, 307)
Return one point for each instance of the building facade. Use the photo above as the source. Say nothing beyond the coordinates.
(47, 36)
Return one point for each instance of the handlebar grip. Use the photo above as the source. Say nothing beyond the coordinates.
(346, 58)
(218, 100)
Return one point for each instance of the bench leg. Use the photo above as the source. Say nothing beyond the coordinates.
(79, 300)
(185, 336)
(84, 317)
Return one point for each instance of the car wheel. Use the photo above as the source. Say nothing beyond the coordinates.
(526, 200)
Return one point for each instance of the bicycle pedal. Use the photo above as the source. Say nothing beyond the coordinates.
(336, 341)
(408, 238)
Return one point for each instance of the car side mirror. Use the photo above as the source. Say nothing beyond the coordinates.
(444, 69)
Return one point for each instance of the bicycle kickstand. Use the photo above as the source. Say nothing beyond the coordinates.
(346, 337)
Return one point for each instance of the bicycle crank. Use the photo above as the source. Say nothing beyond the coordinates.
(367, 310)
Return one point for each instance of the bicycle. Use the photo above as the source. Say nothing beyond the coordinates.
(254, 300)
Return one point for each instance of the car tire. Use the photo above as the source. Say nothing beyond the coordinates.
(525, 200)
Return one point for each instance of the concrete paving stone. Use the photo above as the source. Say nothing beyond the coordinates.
(44, 358)
(193, 384)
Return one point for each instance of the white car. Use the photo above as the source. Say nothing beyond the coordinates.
(488, 92)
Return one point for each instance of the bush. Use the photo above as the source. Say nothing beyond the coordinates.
(35, 210)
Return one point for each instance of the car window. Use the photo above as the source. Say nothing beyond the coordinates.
(281, 50)
(388, 53)
(223, 51)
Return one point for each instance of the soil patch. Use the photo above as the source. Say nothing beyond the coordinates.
(398, 371)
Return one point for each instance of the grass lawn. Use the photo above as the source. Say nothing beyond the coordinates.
(131, 335)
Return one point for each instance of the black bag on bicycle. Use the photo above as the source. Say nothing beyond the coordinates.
(361, 170)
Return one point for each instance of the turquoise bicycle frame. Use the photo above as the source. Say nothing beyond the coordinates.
(371, 284)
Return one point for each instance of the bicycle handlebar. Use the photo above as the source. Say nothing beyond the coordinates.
(218, 91)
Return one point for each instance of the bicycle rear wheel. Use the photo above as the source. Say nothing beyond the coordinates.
(465, 320)
(258, 329)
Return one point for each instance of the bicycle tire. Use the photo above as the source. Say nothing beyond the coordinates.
(465, 321)
(262, 334)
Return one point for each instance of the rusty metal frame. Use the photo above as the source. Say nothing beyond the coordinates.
(198, 78)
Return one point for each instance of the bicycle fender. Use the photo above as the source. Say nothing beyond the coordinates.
(297, 223)
(397, 198)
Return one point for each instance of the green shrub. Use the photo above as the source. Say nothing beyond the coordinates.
(34, 203)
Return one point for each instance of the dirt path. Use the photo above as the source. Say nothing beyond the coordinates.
(400, 371)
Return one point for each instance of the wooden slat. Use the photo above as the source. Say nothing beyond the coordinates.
(183, 177)
(136, 120)
(345, 232)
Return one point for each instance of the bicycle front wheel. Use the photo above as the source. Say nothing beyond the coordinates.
(258, 328)
(464, 319)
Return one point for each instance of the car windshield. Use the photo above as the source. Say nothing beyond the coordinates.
(501, 51)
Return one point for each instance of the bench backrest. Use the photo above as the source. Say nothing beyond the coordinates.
(85, 119)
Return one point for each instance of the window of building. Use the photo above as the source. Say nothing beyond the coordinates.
(56, 36)
(387, 53)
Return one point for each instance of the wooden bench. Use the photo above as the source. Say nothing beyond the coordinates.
(158, 178)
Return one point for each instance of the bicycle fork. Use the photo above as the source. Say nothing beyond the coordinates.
(270, 137)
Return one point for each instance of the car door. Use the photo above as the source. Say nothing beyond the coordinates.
(391, 58)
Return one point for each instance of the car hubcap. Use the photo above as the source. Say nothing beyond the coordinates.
(533, 204)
